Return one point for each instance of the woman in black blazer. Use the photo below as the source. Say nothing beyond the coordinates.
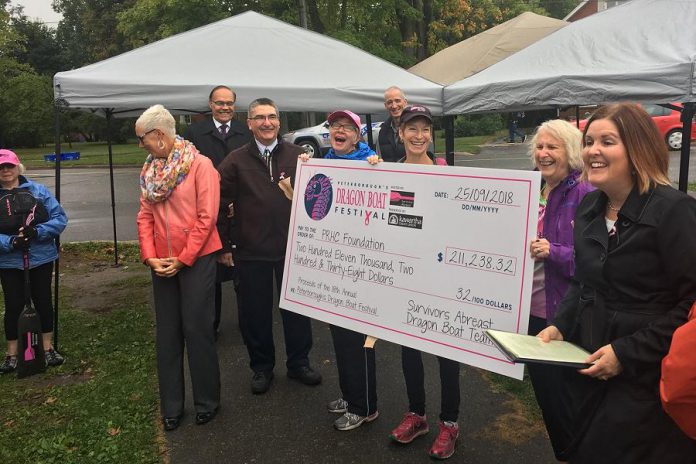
(635, 280)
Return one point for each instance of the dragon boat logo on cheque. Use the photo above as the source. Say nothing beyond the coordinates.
(318, 197)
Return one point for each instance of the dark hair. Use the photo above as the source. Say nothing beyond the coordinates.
(262, 101)
(215, 89)
(645, 148)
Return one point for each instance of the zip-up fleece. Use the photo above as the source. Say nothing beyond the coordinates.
(261, 210)
(183, 225)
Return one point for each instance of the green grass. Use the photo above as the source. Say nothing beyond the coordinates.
(91, 154)
(102, 404)
(523, 391)
(691, 187)
(461, 144)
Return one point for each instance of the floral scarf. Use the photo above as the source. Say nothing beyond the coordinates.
(160, 176)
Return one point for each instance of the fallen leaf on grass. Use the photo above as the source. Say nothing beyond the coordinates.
(50, 400)
(114, 431)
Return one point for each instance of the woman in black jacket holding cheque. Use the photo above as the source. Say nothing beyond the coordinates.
(635, 280)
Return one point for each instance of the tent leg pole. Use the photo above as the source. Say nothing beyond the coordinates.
(56, 269)
(686, 118)
(109, 118)
(368, 128)
(449, 139)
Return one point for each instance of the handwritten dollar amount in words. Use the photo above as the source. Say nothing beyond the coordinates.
(479, 260)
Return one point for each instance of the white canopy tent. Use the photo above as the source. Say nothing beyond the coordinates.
(477, 53)
(257, 56)
(642, 51)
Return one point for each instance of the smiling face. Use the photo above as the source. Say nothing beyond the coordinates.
(551, 158)
(264, 123)
(606, 160)
(416, 134)
(222, 105)
(343, 135)
(394, 102)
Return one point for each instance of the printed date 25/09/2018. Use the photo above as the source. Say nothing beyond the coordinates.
(484, 195)
(479, 260)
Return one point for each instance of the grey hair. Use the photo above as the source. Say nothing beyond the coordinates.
(22, 169)
(263, 102)
(568, 135)
(157, 117)
(394, 87)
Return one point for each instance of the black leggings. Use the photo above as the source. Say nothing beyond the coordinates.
(414, 375)
(12, 281)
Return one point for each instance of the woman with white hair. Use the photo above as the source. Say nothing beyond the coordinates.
(556, 151)
(180, 196)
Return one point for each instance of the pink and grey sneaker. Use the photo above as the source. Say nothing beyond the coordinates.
(443, 446)
(411, 427)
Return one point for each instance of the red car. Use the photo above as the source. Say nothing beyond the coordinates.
(667, 122)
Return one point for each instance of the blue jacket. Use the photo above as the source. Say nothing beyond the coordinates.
(42, 248)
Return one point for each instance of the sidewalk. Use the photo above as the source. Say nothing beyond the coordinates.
(290, 424)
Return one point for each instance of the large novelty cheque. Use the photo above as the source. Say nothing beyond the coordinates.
(423, 256)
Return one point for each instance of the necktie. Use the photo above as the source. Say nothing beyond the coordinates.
(267, 156)
(223, 130)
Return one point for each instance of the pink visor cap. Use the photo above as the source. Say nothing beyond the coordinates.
(345, 114)
(8, 157)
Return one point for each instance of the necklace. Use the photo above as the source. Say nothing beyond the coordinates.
(611, 207)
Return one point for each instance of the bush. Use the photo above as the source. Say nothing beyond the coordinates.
(478, 124)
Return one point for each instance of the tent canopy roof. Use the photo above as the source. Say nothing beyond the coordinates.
(255, 55)
(476, 53)
(642, 51)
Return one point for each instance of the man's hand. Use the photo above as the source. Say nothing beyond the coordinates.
(226, 259)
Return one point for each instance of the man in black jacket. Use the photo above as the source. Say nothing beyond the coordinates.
(249, 178)
(215, 137)
(389, 146)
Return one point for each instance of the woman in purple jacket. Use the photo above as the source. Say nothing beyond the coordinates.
(556, 152)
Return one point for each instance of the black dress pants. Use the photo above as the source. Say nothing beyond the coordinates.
(414, 375)
(255, 308)
(356, 371)
(184, 313)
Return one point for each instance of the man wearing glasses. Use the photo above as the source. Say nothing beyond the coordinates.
(250, 179)
(215, 137)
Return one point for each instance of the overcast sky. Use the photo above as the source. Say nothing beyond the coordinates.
(39, 9)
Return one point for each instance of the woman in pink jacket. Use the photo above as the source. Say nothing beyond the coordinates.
(180, 196)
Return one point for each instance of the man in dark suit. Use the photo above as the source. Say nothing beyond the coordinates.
(215, 137)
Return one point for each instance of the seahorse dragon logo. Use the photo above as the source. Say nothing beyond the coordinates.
(318, 197)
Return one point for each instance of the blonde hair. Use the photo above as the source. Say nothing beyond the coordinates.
(646, 150)
(568, 135)
(157, 117)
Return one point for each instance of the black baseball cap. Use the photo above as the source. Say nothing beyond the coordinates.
(415, 111)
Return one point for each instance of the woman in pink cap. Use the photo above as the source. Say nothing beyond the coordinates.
(355, 362)
(34, 233)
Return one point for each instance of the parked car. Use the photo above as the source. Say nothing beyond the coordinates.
(315, 140)
(668, 122)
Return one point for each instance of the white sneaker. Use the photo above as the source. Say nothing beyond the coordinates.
(350, 421)
(340, 406)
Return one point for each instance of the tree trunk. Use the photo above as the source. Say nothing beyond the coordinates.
(317, 24)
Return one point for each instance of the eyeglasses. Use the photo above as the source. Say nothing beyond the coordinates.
(4, 166)
(261, 117)
(223, 103)
(142, 137)
(344, 127)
